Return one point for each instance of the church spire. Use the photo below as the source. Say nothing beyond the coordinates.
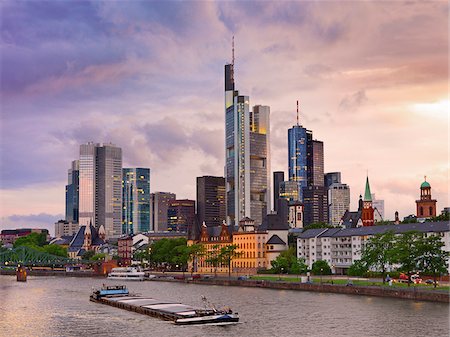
(367, 194)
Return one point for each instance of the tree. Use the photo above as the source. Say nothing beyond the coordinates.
(321, 267)
(432, 258)
(98, 257)
(227, 253)
(214, 258)
(195, 251)
(55, 250)
(406, 252)
(358, 268)
(318, 225)
(378, 252)
(2, 249)
(163, 252)
(181, 256)
(87, 255)
(288, 262)
(31, 240)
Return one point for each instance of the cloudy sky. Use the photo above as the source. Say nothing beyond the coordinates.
(371, 77)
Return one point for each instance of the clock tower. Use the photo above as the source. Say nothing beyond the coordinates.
(426, 207)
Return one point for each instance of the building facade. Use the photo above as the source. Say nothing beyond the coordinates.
(338, 202)
(378, 206)
(247, 155)
(342, 247)
(65, 228)
(298, 138)
(211, 206)
(278, 178)
(100, 187)
(72, 192)
(159, 204)
(181, 215)
(135, 200)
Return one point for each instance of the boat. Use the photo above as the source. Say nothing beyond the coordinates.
(126, 273)
(180, 314)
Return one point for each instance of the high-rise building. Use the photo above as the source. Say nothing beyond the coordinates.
(331, 178)
(338, 202)
(278, 178)
(298, 138)
(211, 207)
(135, 200)
(247, 155)
(159, 204)
(100, 191)
(289, 190)
(378, 206)
(72, 190)
(181, 215)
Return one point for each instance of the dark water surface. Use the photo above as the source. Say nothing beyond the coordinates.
(56, 306)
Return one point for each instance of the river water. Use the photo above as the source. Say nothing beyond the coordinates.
(58, 306)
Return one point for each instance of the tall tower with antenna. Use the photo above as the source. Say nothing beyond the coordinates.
(247, 151)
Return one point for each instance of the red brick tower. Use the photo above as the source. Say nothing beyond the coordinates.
(426, 207)
(367, 215)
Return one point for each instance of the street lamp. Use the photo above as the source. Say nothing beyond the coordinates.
(321, 273)
(332, 271)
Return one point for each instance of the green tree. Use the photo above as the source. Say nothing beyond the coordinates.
(288, 262)
(55, 250)
(378, 252)
(87, 255)
(181, 256)
(98, 257)
(358, 268)
(214, 258)
(2, 249)
(195, 251)
(432, 259)
(163, 251)
(227, 254)
(31, 240)
(321, 267)
(407, 252)
(317, 225)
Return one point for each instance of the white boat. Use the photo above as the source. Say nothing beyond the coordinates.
(126, 273)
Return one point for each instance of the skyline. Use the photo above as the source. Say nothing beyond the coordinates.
(149, 78)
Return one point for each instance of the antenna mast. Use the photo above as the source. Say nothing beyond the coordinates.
(232, 60)
(297, 113)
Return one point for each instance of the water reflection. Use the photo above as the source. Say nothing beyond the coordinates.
(60, 307)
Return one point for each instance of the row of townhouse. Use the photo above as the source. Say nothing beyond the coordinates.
(341, 247)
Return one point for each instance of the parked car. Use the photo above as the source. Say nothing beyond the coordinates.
(430, 281)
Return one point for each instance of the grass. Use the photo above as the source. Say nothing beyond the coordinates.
(356, 282)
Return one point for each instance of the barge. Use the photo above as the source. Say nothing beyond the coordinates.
(180, 314)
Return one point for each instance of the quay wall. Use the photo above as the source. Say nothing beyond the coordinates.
(409, 294)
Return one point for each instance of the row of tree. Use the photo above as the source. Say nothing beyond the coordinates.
(38, 241)
(410, 252)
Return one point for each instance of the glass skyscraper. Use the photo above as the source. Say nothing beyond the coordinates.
(298, 139)
(247, 155)
(136, 200)
(72, 190)
(100, 191)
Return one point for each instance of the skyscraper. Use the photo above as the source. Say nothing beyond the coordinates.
(247, 155)
(306, 167)
(278, 178)
(331, 178)
(100, 192)
(159, 204)
(378, 206)
(136, 200)
(181, 215)
(72, 190)
(338, 202)
(211, 207)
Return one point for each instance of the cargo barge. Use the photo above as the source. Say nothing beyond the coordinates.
(180, 314)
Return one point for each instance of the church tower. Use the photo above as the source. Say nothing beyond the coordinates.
(367, 211)
(426, 207)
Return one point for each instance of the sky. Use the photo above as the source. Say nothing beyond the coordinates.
(371, 78)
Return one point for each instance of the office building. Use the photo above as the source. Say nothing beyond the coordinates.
(65, 228)
(159, 204)
(338, 202)
(211, 206)
(331, 178)
(181, 215)
(289, 190)
(278, 178)
(298, 138)
(135, 200)
(378, 206)
(247, 155)
(100, 187)
(72, 190)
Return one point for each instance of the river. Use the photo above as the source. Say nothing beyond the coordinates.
(58, 306)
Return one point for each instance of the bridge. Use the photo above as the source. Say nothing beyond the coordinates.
(28, 256)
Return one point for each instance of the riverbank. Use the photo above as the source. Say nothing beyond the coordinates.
(402, 293)
(412, 293)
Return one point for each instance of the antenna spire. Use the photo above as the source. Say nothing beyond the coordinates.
(297, 112)
(232, 51)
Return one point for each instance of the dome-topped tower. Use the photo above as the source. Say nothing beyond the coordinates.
(426, 206)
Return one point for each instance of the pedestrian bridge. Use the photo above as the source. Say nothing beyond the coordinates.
(28, 256)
